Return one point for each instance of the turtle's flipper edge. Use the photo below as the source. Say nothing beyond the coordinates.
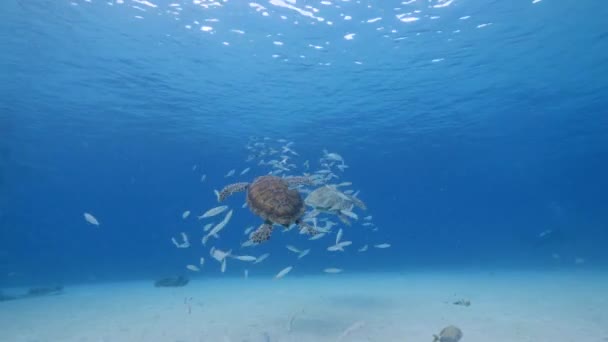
(262, 234)
(230, 189)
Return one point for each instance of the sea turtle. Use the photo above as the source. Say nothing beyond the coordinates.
(275, 200)
(448, 334)
(331, 200)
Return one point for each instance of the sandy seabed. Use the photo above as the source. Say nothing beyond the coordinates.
(505, 307)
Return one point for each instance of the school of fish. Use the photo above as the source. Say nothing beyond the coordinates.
(330, 218)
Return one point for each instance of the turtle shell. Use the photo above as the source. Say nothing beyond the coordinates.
(270, 198)
(328, 199)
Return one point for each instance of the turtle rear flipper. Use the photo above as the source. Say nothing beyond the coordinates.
(230, 189)
(262, 234)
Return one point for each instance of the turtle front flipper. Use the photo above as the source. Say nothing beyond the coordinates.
(305, 228)
(230, 189)
(262, 234)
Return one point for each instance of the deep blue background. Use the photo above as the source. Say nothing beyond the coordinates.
(461, 162)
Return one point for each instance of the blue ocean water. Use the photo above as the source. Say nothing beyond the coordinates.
(475, 131)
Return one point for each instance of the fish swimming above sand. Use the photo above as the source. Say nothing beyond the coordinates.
(332, 270)
(248, 243)
(339, 246)
(339, 236)
(218, 254)
(362, 249)
(332, 157)
(244, 257)
(382, 245)
(261, 258)
(283, 272)
(186, 214)
(293, 249)
(317, 236)
(230, 173)
(213, 211)
(184, 244)
(91, 219)
(303, 253)
(350, 214)
(203, 177)
(193, 268)
(245, 171)
(208, 226)
(213, 232)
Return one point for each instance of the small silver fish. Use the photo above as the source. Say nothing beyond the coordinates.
(383, 245)
(193, 268)
(303, 253)
(317, 236)
(293, 249)
(349, 214)
(283, 272)
(339, 236)
(332, 270)
(230, 173)
(261, 258)
(208, 226)
(184, 244)
(218, 227)
(339, 246)
(91, 219)
(244, 257)
(248, 230)
(213, 211)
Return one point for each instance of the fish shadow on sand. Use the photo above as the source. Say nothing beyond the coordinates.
(33, 293)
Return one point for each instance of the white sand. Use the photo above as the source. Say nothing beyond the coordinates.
(505, 307)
